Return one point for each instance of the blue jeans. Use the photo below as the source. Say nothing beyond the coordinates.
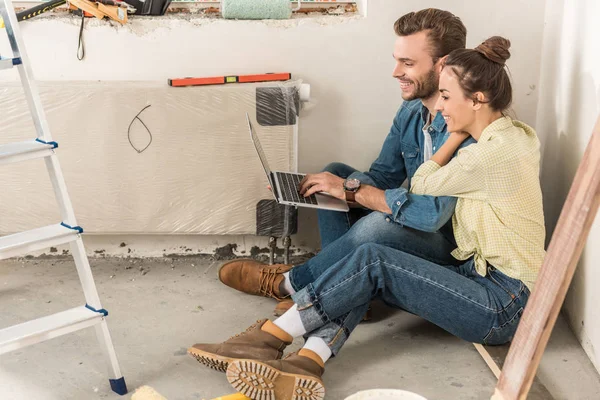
(454, 297)
(342, 233)
(334, 224)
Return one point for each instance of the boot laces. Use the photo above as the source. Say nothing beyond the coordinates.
(251, 327)
(267, 283)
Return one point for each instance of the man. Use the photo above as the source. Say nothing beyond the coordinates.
(387, 217)
(384, 212)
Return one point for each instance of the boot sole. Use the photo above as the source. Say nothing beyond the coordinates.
(260, 381)
(213, 361)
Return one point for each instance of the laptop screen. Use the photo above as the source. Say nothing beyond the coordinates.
(260, 151)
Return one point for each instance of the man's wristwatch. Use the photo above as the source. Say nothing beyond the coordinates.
(351, 186)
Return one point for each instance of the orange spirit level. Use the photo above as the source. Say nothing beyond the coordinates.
(220, 80)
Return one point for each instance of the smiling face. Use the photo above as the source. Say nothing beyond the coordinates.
(415, 68)
(458, 110)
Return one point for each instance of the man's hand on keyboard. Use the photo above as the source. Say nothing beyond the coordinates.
(322, 182)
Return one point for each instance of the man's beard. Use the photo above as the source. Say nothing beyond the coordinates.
(426, 88)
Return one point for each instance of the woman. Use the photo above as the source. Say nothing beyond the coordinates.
(499, 229)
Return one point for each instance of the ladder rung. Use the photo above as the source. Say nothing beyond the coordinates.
(21, 151)
(36, 239)
(41, 329)
(7, 63)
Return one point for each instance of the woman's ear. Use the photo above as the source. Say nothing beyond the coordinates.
(478, 100)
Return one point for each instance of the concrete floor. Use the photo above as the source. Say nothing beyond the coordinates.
(159, 307)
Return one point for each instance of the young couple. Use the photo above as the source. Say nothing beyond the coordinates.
(467, 164)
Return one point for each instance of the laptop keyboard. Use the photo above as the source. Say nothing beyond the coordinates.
(289, 189)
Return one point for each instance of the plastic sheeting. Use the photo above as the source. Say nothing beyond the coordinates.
(185, 165)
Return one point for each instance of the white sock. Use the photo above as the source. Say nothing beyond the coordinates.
(287, 284)
(291, 323)
(319, 346)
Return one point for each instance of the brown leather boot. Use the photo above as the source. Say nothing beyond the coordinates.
(253, 277)
(261, 341)
(282, 307)
(297, 377)
(286, 304)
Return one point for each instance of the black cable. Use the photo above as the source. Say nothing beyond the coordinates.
(80, 47)
(129, 131)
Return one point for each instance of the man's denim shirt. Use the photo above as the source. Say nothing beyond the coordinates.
(400, 157)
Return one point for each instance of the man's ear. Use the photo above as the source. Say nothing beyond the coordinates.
(440, 63)
(478, 100)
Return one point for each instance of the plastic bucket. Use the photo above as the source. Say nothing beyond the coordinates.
(385, 394)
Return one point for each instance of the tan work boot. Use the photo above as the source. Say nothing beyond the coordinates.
(253, 277)
(282, 307)
(297, 377)
(261, 341)
(286, 304)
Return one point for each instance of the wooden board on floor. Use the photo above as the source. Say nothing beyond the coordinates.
(494, 357)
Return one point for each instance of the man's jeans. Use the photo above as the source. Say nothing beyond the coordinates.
(342, 233)
(454, 297)
(334, 224)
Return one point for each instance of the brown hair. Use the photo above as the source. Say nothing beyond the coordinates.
(482, 69)
(445, 31)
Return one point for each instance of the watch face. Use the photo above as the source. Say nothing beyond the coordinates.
(352, 184)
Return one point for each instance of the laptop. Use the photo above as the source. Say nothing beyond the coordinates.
(284, 185)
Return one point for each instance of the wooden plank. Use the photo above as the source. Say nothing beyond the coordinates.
(495, 356)
(116, 13)
(493, 363)
(555, 276)
(89, 7)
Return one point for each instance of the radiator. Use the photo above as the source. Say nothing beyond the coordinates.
(199, 173)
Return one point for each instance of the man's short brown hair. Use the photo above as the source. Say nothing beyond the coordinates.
(445, 31)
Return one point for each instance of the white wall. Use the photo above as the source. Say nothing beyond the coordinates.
(346, 60)
(568, 108)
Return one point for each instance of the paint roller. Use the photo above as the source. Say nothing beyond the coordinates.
(257, 9)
